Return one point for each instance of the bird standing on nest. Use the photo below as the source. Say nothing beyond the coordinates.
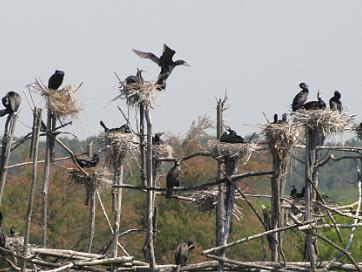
(88, 163)
(316, 105)
(11, 102)
(301, 97)
(124, 128)
(2, 235)
(181, 253)
(232, 137)
(165, 62)
(335, 102)
(56, 80)
(172, 178)
(156, 139)
(135, 79)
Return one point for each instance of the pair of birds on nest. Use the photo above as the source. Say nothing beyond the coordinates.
(300, 101)
(165, 61)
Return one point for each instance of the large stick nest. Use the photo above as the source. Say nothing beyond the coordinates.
(15, 243)
(327, 121)
(97, 178)
(220, 149)
(163, 151)
(281, 137)
(118, 146)
(138, 93)
(61, 102)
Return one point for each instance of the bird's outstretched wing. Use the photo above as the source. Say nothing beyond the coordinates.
(168, 52)
(146, 55)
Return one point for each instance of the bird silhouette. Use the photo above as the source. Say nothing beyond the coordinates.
(301, 97)
(56, 80)
(172, 178)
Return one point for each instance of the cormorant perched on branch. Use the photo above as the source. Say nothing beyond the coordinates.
(2, 235)
(56, 80)
(88, 163)
(135, 79)
(11, 102)
(156, 139)
(232, 137)
(165, 62)
(301, 97)
(181, 253)
(124, 128)
(315, 105)
(172, 178)
(335, 102)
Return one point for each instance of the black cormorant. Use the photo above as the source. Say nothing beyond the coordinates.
(335, 102)
(293, 192)
(88, 163)
(301, 97)
(2, 235)
(56, 80)
(315, 105)
(135, 79)
(275, 119)
(301, 194)
(11, 102)
(124, 128)
(232, 137)
(12, 231)
(181, 253)
(284, 118)
(172, 178)
(156, 139)
(165, 62)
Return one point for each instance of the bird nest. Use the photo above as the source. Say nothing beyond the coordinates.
(15, 243)
(162, 151)
(327, 121)
(281, 137)
(118, 146)
(97, 178)
(61, 102)
(220, 149)
(138, 93)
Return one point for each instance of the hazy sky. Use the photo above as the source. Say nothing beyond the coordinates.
(259, 51)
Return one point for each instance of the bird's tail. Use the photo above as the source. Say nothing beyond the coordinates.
(104, 126)
(169, 193)
(3, 112)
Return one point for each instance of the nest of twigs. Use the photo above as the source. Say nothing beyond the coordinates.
(138, 93)
(61, 102)
(328, 122)
(164, 151)
(220, 149)
(118, 146)
(358, 130)
(281, 137)
(97, 178)
(15, 243)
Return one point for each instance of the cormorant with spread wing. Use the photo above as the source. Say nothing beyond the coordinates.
(172, 178)
(88, 163)
(181, 253)
(165, 62)
(315, 105)
(56, 80)
(2, 235)
(335, 102)
(11, 102)
(301, 97)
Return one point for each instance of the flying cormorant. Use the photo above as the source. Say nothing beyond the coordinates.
(181, 253)
(293, 192)
(335, 102)
(56, 80)
(124, 128)
(135, 79)
(301, 97)
(172, 178)
(11, 102)
(88, 163)
(315, 105)
(156, 139)
(165, 62)
(232, 137)
(2, 235)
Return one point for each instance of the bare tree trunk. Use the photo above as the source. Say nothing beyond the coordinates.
(142, 145)
(275, 208)
(92, 217)
(45, 183)
(35, 148)
(5, 150)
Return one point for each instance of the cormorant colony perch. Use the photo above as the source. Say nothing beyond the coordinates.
(309, 125)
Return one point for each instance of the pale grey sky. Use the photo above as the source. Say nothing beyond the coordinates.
(258, 50)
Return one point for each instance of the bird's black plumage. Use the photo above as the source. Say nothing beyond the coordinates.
(156, 139)
(88, 163)
(293, 192)
(231, 137)
(172, 178)
(335, 102)
(164, 61)
(301, 194)
(124, 128)
(12, 231)
(11, 102)
(315, 105)
(56, 80)
(284, 118)
(301, 97)
(181, 253)
(2, 235)
(135, 79)
(275, 118)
